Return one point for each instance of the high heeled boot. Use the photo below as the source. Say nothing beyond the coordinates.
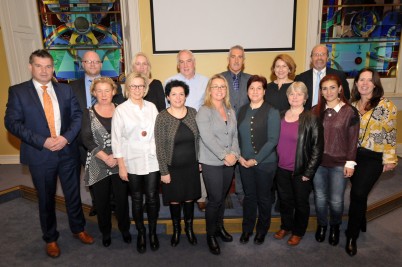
(175, 213)
(138, 215)
(333, 238)
(188, 208)
(153, 212)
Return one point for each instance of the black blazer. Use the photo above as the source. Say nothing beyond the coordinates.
(79, 90)
(307, 78)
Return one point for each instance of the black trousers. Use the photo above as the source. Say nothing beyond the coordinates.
(217, 181)
(257, 183)
(147, 185)
(102, 191)
(44, 178)
(367, 171)
(294, 201)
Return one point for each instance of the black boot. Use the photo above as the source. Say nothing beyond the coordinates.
(175, 213)
(188, 209)
(141, 241)
(213, 245)
(138, 215)
(351, 246)
(320, 233)
(153, 213)
(333, 238)
(221, 232)
(153, 238)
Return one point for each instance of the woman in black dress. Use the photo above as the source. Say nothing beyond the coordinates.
(176, 137)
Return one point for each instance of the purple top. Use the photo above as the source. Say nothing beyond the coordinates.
(287, 144)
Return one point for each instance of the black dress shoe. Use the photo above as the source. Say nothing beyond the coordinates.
(351, 246)
(126, 237)
(106, 241)
(141, 242)
(320, 233)
(333, 238)
(225, 236)
(213, 245)
(244, 238)
(259, 239)
(92, 211)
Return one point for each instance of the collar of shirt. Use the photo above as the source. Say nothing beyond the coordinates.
(323, 72)
(39, 88)
(337, 107)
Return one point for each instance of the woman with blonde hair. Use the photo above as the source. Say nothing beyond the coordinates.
(219, 152)
(142, 64)
(133, 144)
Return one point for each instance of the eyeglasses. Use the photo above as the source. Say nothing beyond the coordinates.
(89, 62)
(319, 54)
(134, 87)
(223, 87)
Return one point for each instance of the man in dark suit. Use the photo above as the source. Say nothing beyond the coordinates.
(92, 66)
(47, 118)
(237, 81)
(312, 77)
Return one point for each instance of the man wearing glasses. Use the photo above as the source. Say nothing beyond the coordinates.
(312, 77)
(92, 66)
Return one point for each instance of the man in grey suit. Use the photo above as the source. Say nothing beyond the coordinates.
(237, 81)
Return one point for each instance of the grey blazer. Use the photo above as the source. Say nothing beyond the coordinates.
(240, 98)
(217, 137)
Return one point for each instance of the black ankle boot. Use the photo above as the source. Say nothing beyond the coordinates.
(320, 233)
(153, 238)
(175, 213)
(351, 246)
(221, 232)
(141, 241)
(188, 209)
(213, 245)
(333, 238)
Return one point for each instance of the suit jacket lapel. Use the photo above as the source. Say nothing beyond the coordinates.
(59, 94)
(35, 98)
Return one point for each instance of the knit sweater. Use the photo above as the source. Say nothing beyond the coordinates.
(166, 127)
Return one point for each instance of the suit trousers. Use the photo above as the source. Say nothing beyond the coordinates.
(44, 178)
(367, 171)
(294, 198)
(102, 190)
(217, 182)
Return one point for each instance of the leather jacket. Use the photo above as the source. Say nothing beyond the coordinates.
(310, 145)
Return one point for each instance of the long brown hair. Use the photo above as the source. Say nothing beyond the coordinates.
(319, 109)
(378, 91)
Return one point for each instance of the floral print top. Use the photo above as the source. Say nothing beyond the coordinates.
(378, 130)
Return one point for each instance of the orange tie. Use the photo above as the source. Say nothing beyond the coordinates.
(48, 107)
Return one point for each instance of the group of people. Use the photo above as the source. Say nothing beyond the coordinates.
(291, 136)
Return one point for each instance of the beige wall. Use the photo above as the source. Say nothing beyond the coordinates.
(8, 144)
(164, 66)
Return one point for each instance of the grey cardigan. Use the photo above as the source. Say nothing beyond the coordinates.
(166, 127)
(217, 137)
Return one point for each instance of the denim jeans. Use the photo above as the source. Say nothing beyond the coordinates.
(329, 190)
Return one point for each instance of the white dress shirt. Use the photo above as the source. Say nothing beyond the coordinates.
(315, 85)
(133, 137)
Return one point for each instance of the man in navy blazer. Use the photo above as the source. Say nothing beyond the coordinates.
(47, 156)
(319, 58)
(237, 81)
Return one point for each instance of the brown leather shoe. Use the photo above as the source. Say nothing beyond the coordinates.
(294, 240)
(52, 249)
(281, 234)
(84, 237)
(202, 205)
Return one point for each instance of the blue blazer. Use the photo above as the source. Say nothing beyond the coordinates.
(25, 118)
